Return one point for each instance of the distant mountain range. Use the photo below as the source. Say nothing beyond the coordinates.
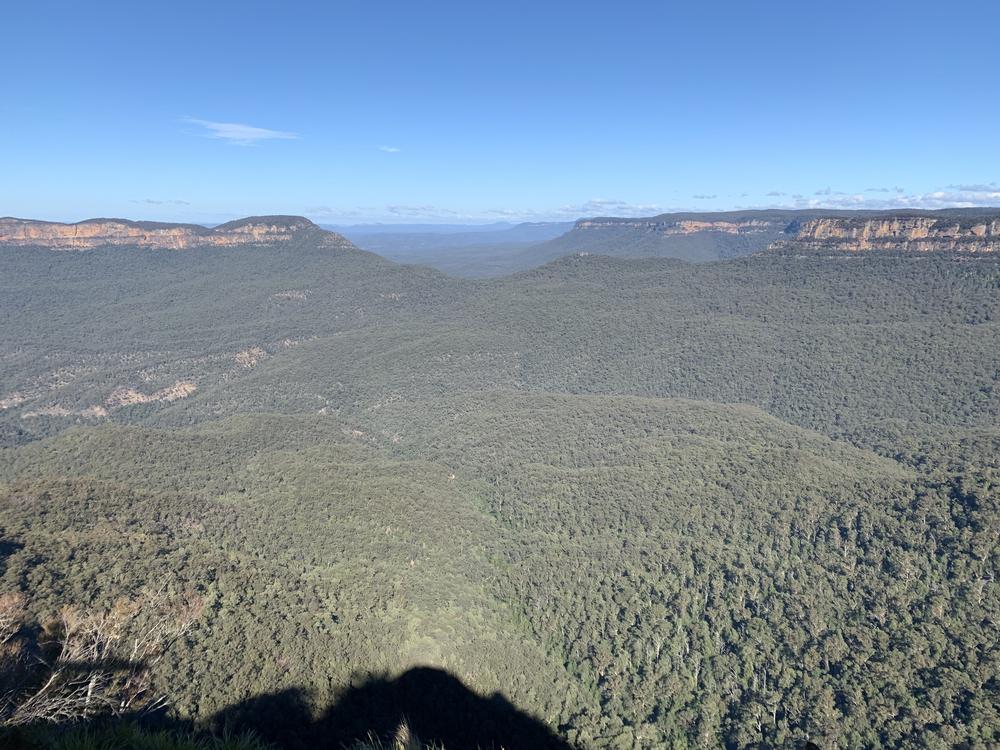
(694, 237)
(357, 230)
(499, 249)
(398, 241)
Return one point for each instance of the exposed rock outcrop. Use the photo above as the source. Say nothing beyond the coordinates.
(669, 226)
(90, 412)
(129, 396)
(903, 232)
(84, 235)
(248, 358)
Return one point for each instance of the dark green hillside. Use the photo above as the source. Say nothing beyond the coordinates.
(498, 529)
(825, 343)
(705, 569)
(625, 240)
(879, 338)
(191, 300)
(318, 557)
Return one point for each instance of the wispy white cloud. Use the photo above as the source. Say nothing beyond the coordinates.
(703, 197)
(389, 149)
(422, 212)
(605, 207)
(979, 187)
(897, 190)
(955, 196)
(430, 213)
(155, 202)
(876, 199)
(569, 211)
(239, 134)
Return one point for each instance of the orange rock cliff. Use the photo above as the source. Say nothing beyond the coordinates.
(950, 230)
(900, 233)
(690, 226)
(93, 233)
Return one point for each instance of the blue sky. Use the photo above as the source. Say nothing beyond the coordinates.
(467, 112)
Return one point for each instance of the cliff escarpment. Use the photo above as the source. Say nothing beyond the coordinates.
(92, 233)
(962, 230)
(668, 226)
(695, 237)
(899, 233)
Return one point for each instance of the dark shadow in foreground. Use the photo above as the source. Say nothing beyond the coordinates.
(434, 705)
(425, 704)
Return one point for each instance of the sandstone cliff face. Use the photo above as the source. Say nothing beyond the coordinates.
(102, 232)
(897, 233)
(690, 226)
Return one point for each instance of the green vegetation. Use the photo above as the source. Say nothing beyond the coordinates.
(735, 504)
(132, 737)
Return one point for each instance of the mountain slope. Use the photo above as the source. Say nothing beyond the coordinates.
(701, 237)
(607, 520)
(297, 534)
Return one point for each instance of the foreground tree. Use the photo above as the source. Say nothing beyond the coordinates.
(82, 664)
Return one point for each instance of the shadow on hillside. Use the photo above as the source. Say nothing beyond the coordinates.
(435, 705)
(8, 548)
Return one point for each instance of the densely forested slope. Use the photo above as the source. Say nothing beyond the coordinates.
(876, 339)
(624, 241)
(826, 343)
(738, 503)
(318, 557)
(711, 574)
(633, 545)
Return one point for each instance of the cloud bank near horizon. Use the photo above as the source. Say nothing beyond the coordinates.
(956, 196)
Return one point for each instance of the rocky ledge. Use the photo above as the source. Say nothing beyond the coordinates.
(672, 226)
(901, 232)
(84, 235)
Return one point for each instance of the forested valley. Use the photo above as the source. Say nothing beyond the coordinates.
(749, 503)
